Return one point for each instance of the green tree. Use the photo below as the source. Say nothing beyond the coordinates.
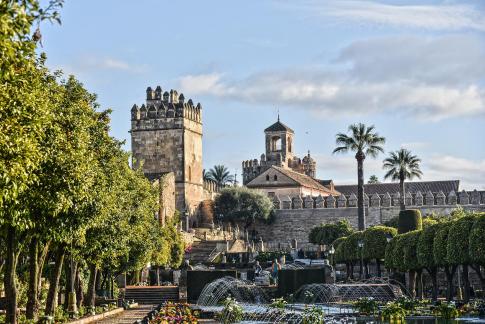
(406, 260)
(476, 248)
(458, 247)
(326, 234)
(402, 165)
(24, 112)
(426, 255)
(364, 142)
(221, 175)
(440, 254)
(373, 179)
(375, 243)
(236, 204)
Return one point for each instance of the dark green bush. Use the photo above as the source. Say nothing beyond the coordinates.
(375, 241)
(409, 220)
(476, 246)
(326, 234)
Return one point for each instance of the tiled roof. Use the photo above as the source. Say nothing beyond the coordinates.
(411, 187)
(278, 127)
(304, 180)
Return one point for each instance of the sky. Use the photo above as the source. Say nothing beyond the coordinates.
(414, 69)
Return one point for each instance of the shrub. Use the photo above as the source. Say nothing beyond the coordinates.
(326, 234)
(389, 260)
(393, 311)
(446, 310)
(366, 306)
(232, 312)
(375, 241)
(279, 303)
(176, 313)
(405, 257)
(270, 256)
(313, 315)
(409, 220)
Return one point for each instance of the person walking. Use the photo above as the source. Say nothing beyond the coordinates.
(275, 267)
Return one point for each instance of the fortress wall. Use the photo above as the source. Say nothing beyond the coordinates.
(296, 223)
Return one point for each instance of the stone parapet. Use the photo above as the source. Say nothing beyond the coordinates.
(464, 198)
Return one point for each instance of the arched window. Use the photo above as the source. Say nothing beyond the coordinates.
(190, 174)
(275, 177)
(276, 143)
(267, 177)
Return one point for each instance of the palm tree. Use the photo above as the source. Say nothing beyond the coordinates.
(373, 179)
(220, 174)
(363, 141)
(402, 165)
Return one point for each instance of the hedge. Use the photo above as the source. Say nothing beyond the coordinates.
(476, 247)
(409, 220)
(375, 241)
(458, 238)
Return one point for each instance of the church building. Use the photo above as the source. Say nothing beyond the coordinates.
(279, 172)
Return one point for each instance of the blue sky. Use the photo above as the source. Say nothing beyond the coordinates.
(414, 69)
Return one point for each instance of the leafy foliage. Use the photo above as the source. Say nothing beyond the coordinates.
(457, 244)
(402, 165)
(242, 204)
(375, 241)
(476, 247)
(326, 234)
(409, 220)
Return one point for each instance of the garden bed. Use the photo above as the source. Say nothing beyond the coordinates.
(97, 317)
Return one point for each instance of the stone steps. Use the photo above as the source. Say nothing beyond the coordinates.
(201, 251)
(152, 295)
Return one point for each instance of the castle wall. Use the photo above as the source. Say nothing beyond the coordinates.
(296, 218)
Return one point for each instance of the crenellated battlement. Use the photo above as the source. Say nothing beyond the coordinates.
(417, 199)
(167, 105)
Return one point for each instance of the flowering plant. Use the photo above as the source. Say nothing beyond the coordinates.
(232, 312)
(174, 313)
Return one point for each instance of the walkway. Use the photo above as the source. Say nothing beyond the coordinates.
(129, 316)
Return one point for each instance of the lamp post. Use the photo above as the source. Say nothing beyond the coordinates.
(360, 244)
(331, 252)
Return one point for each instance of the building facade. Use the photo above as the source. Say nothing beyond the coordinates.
(166, 137)
(279, 153)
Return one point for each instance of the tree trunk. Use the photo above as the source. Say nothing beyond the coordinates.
(412, 283)
(360, 190)
(466, 283)
(51, 303)
(433, 272)
(79, 289)
(378, 265)
(33, 293)
(402, 192)
(41, 262)
(10, 276)
(450, 272)
(480, 275)
(351, 270)
(91, 293)
(366, 269)
(420, 290)
(67, 276)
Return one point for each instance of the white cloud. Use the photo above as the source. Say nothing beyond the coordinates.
(432, 17)
(429, 80)
(82, 64)
(343, 169)
(471, 173)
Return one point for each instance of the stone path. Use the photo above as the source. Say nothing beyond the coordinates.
(129, 316)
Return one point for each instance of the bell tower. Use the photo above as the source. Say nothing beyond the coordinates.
(279, 143)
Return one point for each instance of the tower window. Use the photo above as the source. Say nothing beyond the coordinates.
(267, 177)
(276, 144)
(275, 177)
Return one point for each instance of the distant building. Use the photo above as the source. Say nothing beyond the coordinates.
(279, 172)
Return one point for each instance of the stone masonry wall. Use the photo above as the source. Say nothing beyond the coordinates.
(295, 217)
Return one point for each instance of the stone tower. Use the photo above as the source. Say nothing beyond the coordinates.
(166, 136)
(279, 142)
(279, 152)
